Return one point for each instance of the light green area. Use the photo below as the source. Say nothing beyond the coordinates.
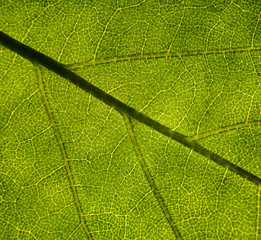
(69, 165)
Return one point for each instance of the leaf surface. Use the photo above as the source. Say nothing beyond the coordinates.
(74, 168)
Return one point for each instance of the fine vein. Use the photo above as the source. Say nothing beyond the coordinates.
(60, 69)
(62, 150)
(149, 178)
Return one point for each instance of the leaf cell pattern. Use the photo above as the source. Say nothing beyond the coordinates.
(74, 168)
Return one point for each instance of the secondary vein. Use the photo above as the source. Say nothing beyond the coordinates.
(63, 153)
(150, 179)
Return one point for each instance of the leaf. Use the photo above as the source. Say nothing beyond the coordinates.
(74, 168)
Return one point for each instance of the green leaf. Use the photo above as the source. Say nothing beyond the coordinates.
(181, 159)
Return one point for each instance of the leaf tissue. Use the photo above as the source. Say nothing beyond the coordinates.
(130, 119)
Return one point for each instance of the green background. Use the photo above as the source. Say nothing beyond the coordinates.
(193, 66)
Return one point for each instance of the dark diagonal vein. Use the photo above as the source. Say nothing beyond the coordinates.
(54, 66)
(150, 179)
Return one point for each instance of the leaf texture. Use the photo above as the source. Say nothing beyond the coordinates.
(74, 168)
